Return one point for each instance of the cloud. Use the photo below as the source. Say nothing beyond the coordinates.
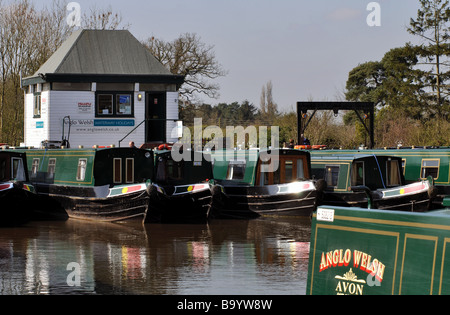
(344, 14)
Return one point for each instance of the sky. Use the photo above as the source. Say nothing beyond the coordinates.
(305, 47)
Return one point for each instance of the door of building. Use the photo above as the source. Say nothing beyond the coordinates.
(155, 115)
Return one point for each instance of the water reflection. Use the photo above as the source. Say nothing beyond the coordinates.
(263, 256)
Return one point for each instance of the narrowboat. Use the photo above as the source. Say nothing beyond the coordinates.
(181, 191)
(257, 183)
(17, 195)
(358, 252)
(369, 181)
(418, 163)
(99, 184)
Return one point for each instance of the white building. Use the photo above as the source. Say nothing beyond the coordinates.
(101, 87)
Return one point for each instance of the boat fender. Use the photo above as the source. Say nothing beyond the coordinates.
(18, 184)
(432, 192)
(152, 191)
(321, 185)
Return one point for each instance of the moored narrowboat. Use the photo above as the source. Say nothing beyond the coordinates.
(181, 191)
(17, 195)
(369, 181)
(260, 183)
(418, 163)
(358, 252)
(107, 184)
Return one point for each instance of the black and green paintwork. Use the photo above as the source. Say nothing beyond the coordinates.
(354, 251)
(108, 190)
(369, 181)
(181, 191)
(414, 161)
(17, 194)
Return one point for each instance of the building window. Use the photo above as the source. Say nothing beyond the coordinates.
(430, 168)
(81, 172)
(114, 105)
(105, 105)
(37, 105)
(123, 104)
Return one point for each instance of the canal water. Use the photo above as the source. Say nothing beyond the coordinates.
(266, 256)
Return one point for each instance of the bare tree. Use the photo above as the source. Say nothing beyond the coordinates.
(99, 19)
(269, 109)
(28, 37)
(189, 56)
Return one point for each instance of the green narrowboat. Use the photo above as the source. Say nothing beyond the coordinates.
(181, 191)
(369, 181)
(17, 195)
(263, 182)
(419, 163)
(100, 184)
(358, 252)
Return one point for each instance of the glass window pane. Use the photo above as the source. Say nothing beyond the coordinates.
(332, 175)
(357, 173)
(123, 104)
(236, 170)
(51, 168)
(289, 168)
(105, 104)
(18, 170)
(81, 172)
(393, 173)
(117, 171)
(300, 173)
(130, 171)
(34, 168)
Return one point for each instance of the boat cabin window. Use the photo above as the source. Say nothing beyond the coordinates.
(357, 173)
(236, 170)
(81, 172)
(430, 168)
(392, 173)
(289, 170)
(117, 171)
(2, 169)
(168, 170)
(18, 170)
(34, 168)
(403, 166)
(130, 171)
(51, 168)
(331, 175)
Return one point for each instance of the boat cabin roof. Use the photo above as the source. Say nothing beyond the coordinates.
(346, 170)
(242, 167)
(196, 169)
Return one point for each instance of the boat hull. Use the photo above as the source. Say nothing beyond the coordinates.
(17, 204)
(253, 201)
(189, 206)
(101, 204)
(414, 197)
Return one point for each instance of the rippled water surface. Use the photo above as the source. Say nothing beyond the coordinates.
(257, 257)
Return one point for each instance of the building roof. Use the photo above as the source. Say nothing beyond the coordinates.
(103, 55)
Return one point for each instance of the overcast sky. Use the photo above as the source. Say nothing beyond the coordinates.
(305, 47)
